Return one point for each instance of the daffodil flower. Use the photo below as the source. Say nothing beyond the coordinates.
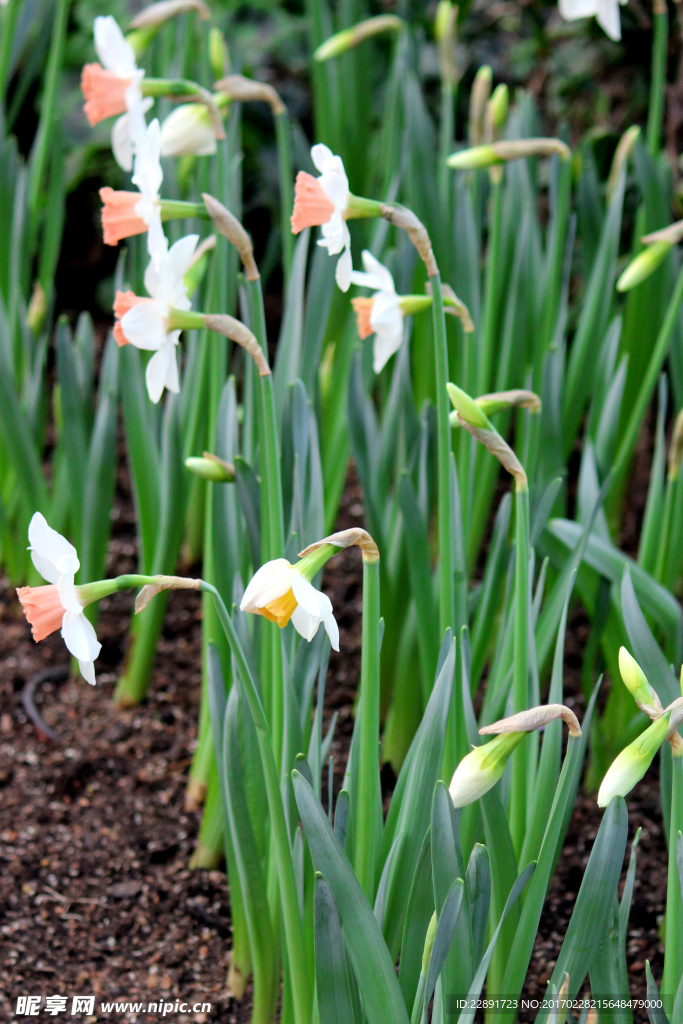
(323, 202)
(606, 12)
(280, 592)
(132, 213)
(148, 323)
(58, 605)
(380, 315)
(113, 87)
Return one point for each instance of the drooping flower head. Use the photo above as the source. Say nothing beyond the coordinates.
(113, 87)
(280, 592)
(48, 608)
(144, 322)
(380, 315)
(606, 12)
(322, 202)
(132, 213)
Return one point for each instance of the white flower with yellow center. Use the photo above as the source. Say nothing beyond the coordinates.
(280, 592)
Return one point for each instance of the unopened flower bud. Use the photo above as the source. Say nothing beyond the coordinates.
(467, 408)
(444, 18)
(479, 97)
(35, 314)
(350, 37)
(219, 57)
(497, 111)
(493, 153)
(632, 763)
(210, 467)
(643, 265)
(637, 684)
(480, 770)
(188, 130)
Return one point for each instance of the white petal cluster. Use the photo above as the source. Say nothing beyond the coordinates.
(386, 316)
(274, 580)
(606, 12)
(57, 562)
(117, 55)
(335, 185)
(146, 324)
(147, 178)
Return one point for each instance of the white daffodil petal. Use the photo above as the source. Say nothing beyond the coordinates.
(122, 142)
(155, 374)
(306, 595)
(342, 274)
(384, 347)
(67, 595)
(321, 155)
(51, 548)
(332, 630)
(180, 255)
(609, 19)
(144, 326)
(271, 581)
(571, 10)
(88, 671)
(45, 567)
(378, 271)
(75, 635)
(172, 382)
(305, 624)
(364, 280)
(114, 52)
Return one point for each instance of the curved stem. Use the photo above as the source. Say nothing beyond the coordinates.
(520, 697)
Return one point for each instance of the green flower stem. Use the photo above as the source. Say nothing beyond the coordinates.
(369, 792)
(673, 952)
(293, 926)
(446, 137)
(492, 294)
(9, 24)
(660, 44)
(170, 87)
(48, 111)
(272, 539)
(178, 209)
(443, 432)
(648, 383)
(520, 696)
(358, 208)
(284, 162)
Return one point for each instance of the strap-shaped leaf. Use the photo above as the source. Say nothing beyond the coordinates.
(594, 901)
(479, 894)
(467, 1016)
(334, 998)
(646, 650)
(445, 930)
(418, 914)
(372, 963)
(415, 809)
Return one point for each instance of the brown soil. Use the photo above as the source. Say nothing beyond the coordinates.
(95, 893)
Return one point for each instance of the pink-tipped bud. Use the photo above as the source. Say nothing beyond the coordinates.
(311, 206)
(119, 219)
(42, 608)
(104, 93)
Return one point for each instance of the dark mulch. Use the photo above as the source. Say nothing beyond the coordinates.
(95, 891)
